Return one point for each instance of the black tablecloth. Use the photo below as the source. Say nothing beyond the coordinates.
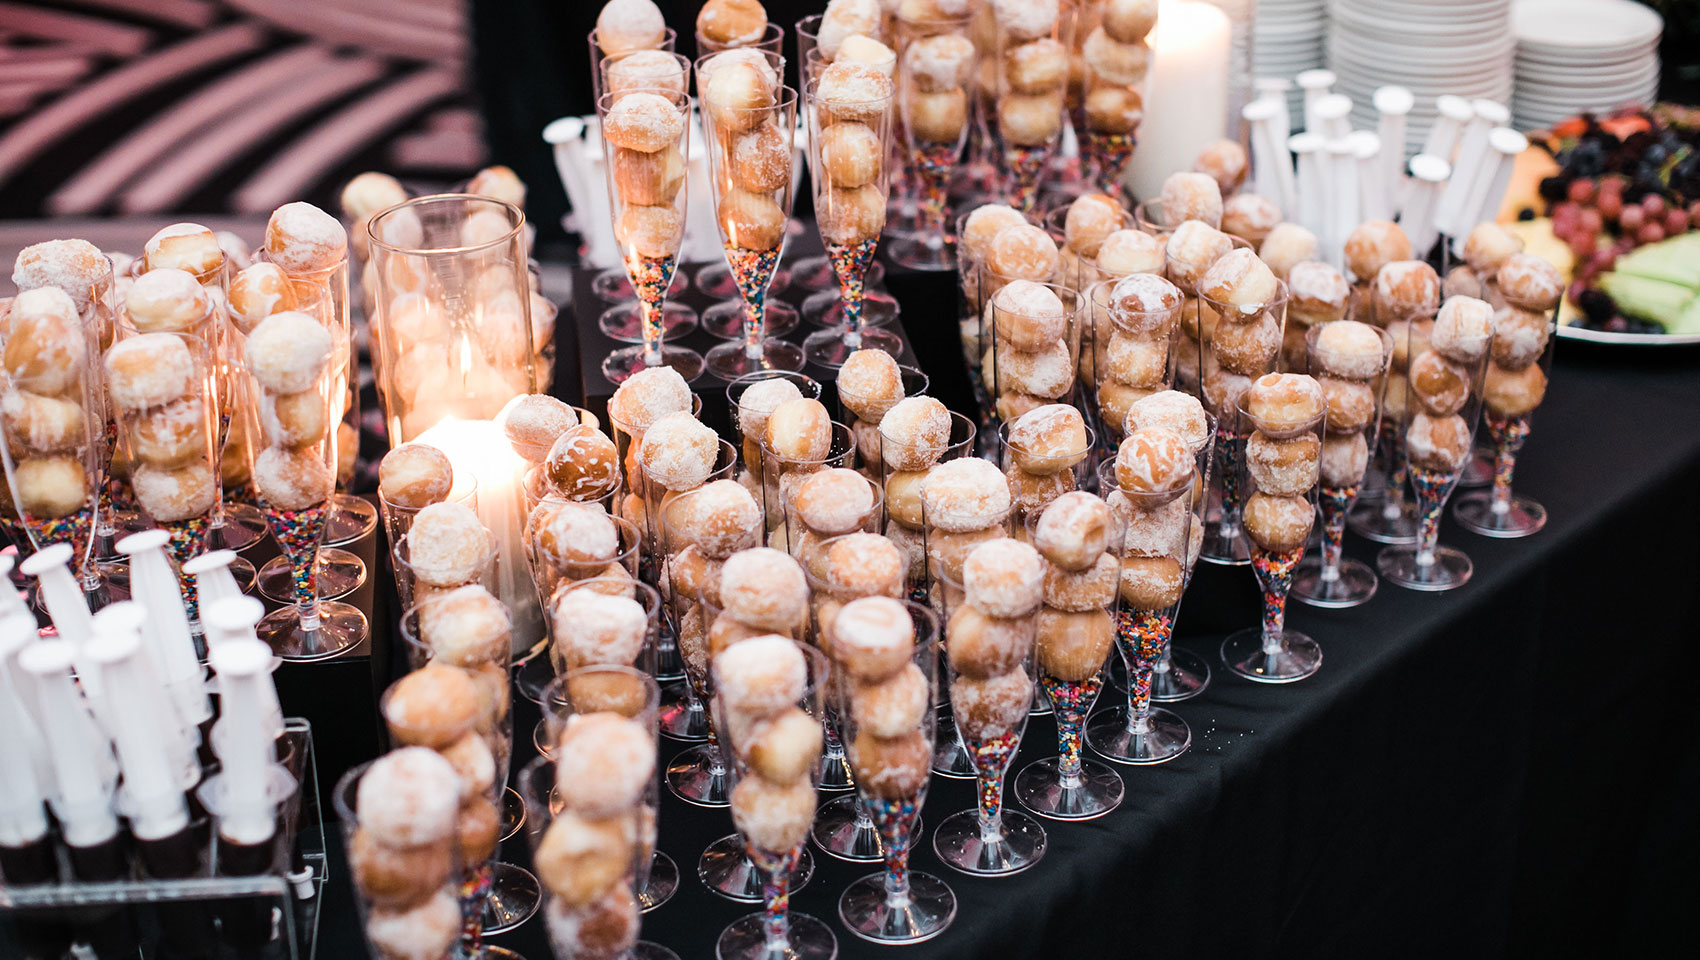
(1506, 769)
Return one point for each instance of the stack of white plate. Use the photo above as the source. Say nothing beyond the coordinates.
(1433, 47)
(1288, 41)
(1576, 55)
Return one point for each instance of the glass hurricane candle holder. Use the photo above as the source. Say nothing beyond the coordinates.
(1031, 84)
(1239, 344)
(772, 813)
(896, 905)
(750, 157)
(1279, 470)
(1437, 445)
(1513, 387)
(850, 151)
(633, 694)
(937, 63)
(991, 715)
(1355, 379)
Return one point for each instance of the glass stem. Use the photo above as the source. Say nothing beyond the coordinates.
(991, 808)
(652, 317)
(1508, 436)
(754, 319)
(776, 904)
(1336, 503)
(1231, 447)
(1274, 617)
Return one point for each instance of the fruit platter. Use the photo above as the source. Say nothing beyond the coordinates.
(1619, 201)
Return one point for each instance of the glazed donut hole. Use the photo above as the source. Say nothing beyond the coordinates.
(1316, 293)
(1113, 110)
(1073, 531)
(1048, 439)
(834, 501)
(936, 117)
(1344, 459)
(1529, 282)
(649, 179)
(1283, 467)
(1278, 524)
(1029, 316)
(765, 589)
(1372, 245)
(1222, 391)
(963, 495)
(1250, 217)
(652, 232)
(167, 300)
(979, 646)
(1191, 250)
(1520, 337)
(1031, 120)
(983, 225)
(1144, 305)
(1151, 583)
(1462, 330)
(1349, 350)
(1489, 245)
(1116, 398)
(1072, 645)
(731, 22)
(799, 431)
(1283, 405)
(1439, 443)
(1239, 281)
(1126, 252)
(1286, 245)
(1405, 290)
(1091, 218)
(1022, 251)
(1154, 461)
(1191, 196)
(582, 464)
(1513, 393)
(1247, 349)
(1077, 590)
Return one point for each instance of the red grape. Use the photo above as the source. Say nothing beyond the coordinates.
(1610, 205)
(1612, 186)
(1582, 244)
(1650, 233)
(1676, 222)
(1591, 220)
(1581, 190)
(1632, 217)
(1654, 205)
(1603, 258)
(1694, 212)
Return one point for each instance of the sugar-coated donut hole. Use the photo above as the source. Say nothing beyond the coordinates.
(782, 748)
(1192, 248)
(302, 239)
(1171, 409)
(1278, 524)
(1029, 315)
(761, 676)
(1282, 467)
(1049, 439)
(1405, 290)
(764, 588)
(1520, 337)
(980, 646)
(448, 545)
(1248, 348)
(914, 434)
(1348, 349)
(1030, 120)
(834, 501)
(605, 927)
(1250, 217)
(415, 475)
(1191, 196)
(891, 768)
(647, 396)
(1462, 329)
(1285, 245)
(649, 122)
(1022, 251)
(1151, 583)
(732, 22)
(773, 817)
(432, 707)
(1126, 252)
(1073, 645)
(1113, 110)
(581, 858)
(1073, 531)
(1316, 293)
(1488, 245)
(991, 707)
(1438, 385)
(597, 629)
(1343, 460)
(892, 706)
(603, 763)
(1114, 62)
(1351, 404)
(1003, 577)
(466, 627)
(965, 494)
(1374, 244)
(1283, 404)
(1437, 442)
(1513, 393)
(424, 929)
(626, 25)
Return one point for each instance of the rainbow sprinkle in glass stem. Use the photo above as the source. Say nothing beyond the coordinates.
(1109, 154)
(1025, 164)
(991, 756)
(895, 820)
(1335, 502)
(752, 272)
(298, 532)
(74, 528)
(1071, 701)
(1141, 636)
(775, 869)
(1509, 435)
(1432, 487)
(933, 164)
(474, 890)
(1229, 447)
(1275, 574)
(850, 264)
(650, 278)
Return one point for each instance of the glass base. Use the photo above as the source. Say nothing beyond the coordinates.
(612, 285)
(922, 915)
(533, 675)
(715, 279)
(835, 773)
(1398, 565)
(1187, 676)
(826, 309)
(514, 897)
(679, 721)
(340, 574)
(1521, 518)
(746, 939)
(513, 814)
(950, 758)
(1165, 737)
(341, 626)
(624, 322)
(1229, 547)
(837, 834)
(1354, 584)
(619, 365)
(661, 884)
(959, 844)
(922, 252)
(1373, 521)
(1478, 471)
(351, 518)
(485, 951)
(816, 273)
(669, 666)
(1041, 706)
(692, 780)
(1299, 656)
(646, 950)
(828, 348)
(1040, 788)
(725, 870)
(725, 320)
(244, 526)
(731, 360)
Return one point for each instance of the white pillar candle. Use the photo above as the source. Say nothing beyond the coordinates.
(1186, 99)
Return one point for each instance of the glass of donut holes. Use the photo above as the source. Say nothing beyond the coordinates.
(1351, 364)
(399, 815)
(433, 573)
(633, 694)
(1445, 393)
(1279, 469)
(1134, 356)
(1185, 264)
(937, 64)
(768, 701)
(827, 504)
(862, 404)
(1044, 454)
(1241, 342)
(1031, 81)
(1034, 356)
(785, 465)
(749, 414)
(991, 668)
(1515, 384)
(649, 225)
(884, 693)
(591, 814)
(585, 630)
(398, 517)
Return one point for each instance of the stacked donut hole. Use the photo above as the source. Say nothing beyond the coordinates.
(854, 117)
(796, 443)
(1031, 361)
(1075, 535)
(936, 72)
(1251, 217)
(1154, 470)
(570, 542)
(76, 268)
(159, 384)
(848, 568)
(726, 24)
(1224, 161)
(1404, 290)
(625, 26)
(1316, 294)
(749, 420)
(46, 406)
(447, 547)
(1347, 361)
(1043, 447)
(965, 502)
(1283, 460)
(1516, 383)
(411, 477)
(1242, 294)
(759, 682)
(914, 434)
(740, 92)
(1121, 254)
(705, 528)
(533, 423)
(869, 384)
(1086, 222)
(588, 857)
(825, 504)
(873, 643)
(642, 126)
(1116, 58)
(1487, 247)
(289, 356)
(989, 637)
(256, 292)
(1370, 246)
(1182, 414)
(403, 852)
(1187, 254)
(642, 399)
(1143, 309)
(1033, 68)
(1286, 244)
(1441, 381)
(974, 235)
(308, 244)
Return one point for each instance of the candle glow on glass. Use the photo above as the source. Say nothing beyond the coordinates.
(1186, 92)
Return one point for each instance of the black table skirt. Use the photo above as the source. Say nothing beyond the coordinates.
(1504, 770)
